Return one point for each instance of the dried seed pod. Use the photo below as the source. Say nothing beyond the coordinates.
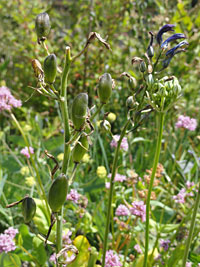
(58, 193)
(105, 88)
(80, 149)
(42, 26)
(28, 209)
(50, 68)
(79, 110)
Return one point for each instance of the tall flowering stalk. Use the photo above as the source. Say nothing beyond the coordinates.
(161, 94)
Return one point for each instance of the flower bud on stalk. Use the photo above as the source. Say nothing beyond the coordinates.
(132, 83)
(28, 209)
(79, 110)
(42, 26)
(105, 88)
(130, 103)
(50, 68)
(143, 66)
(80, 149)
(58, 193)
(150, 51)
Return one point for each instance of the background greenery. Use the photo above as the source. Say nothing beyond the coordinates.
(125, 24)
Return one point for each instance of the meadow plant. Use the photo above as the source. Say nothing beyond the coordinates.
(156, 94)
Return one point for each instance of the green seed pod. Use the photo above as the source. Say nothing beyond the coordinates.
(143, 66)
(130, 103)
(80, 149)
(150, 51)
(50, 68)
(79, 110)
(28, 209)
(132, 83)
(58, 193)
(150, 79)
(42, 26)
(105, 88)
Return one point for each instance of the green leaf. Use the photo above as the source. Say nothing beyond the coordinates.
(82, 245)
(9, 260)
(39, 251)
(177, 254)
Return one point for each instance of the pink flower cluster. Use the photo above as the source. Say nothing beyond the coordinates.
(180, 197)
(6, 240)
(25, 151)
(186, 122)
(164, 244)
(112, 259)
(122, 210)
(7, 100)
(73, 196)
(118, 177)
(138, 249)
(139, 209)
(124, 143)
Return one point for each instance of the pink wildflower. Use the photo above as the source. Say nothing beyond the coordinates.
(122, 210)
(186, 122)
(53, 258)
(188, 264)
(124, 143)
(66, 238)
(138, 249)
(6, 240)
(139, 209)
(180, 197)
(164, 244)
(25, 151)
(118, 177)
(7, 100)
(73, 196)
(112, 259)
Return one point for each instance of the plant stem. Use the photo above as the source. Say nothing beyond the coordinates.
(156, 159)
(97, 111)
(114, 169)
(65, 118)
(186, 252)
(38, 179)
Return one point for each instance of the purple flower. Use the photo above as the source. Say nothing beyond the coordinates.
(73, 196)
(171, 52)
(7, 100)
(112, 259)
(11, 232)
(172, 38)
(186, 122)
(139, 209)
(165, 28)
(124, 143)
(6, 240)
(107, 185)
(164, 244)
(25, 151)
(180, 197)
(188, 264)
(138, 249)
(122, 210)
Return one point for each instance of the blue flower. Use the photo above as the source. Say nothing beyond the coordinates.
(171, 52)
(172, 38)
(165, 28)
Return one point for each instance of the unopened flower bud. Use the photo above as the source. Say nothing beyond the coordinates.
(150, 79)
(132, 83)
(42, 26)
(130, 103)
(143, 66)
(150, 51)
